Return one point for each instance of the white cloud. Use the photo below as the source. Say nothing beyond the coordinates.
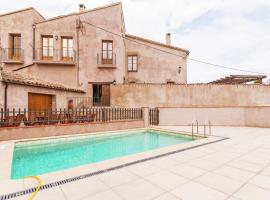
(232, 32)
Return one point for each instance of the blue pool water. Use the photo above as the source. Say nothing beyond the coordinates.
(43, 156)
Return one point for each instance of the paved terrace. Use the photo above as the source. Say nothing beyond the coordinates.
(237, 168)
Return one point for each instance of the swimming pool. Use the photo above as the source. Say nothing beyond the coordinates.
(44, 156)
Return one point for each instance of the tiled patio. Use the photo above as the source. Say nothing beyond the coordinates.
(234, 169)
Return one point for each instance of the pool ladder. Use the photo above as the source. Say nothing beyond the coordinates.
(206, 123)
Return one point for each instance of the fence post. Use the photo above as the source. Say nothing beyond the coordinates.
(103, 114)
(146, 116)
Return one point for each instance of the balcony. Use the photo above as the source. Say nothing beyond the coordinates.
(11, 55)
(55, 56)
(106, 63)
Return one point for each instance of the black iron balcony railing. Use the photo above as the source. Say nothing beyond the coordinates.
(54, 55)
(11, 54)
(106, 60)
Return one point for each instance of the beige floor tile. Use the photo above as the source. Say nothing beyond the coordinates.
(232, 198)
(163, 162)
(195, 191)
(253, 158)
(166, 180)
(252, 192)
(187, 171)
(241, 164)
(83, 188)
(117, 177)
(261, 181)
(167, 196)
(266, 171)
(220, 183)
(204, 164)
(234, 173)
(139, 189)
(107, 195)
(143, 169)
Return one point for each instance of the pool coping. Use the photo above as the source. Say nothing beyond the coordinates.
(70, 175)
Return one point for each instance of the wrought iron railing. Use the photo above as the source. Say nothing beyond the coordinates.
(106, 61)
(23, 117)
(11, 54)
(49, 54)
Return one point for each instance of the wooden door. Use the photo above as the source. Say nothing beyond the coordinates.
(39, 101)
(105, 96)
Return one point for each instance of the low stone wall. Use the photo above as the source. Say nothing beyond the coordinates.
(219, 116)
(66, 129)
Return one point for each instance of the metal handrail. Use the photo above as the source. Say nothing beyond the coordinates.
(209, 127)
(192, 124)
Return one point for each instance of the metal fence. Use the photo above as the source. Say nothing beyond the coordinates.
(23, 117)
(154, 116)
(50, 54)
(11, 54)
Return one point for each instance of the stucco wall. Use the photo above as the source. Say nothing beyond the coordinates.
(155, 66)
(18, 96)
(164, 95)
(20, 22)
(226, 116)
(57, 130)
(87, 43)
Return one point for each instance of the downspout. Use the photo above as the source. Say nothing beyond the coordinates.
(34, 41)
(78, 27)
(5, 96)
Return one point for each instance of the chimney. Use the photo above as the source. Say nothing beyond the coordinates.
(168, 39)
(81, 7)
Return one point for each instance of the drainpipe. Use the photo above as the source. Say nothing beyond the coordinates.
(34, 39)
(78, 27)
(5, 96)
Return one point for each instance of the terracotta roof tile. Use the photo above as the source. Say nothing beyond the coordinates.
(25, 79)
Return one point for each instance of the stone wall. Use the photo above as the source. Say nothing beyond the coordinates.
(219, 116)
(193, 95)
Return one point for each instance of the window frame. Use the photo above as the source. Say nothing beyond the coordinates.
(106, 60)
(132, 63)
(15, 39)
(70, 50)
(47, 48)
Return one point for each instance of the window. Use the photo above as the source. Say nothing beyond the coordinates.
(132, 63)
(14, 46)
(47, 47)
(107, 52)
(67, 49)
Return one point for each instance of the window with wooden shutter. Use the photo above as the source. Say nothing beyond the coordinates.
(67, 49)
(132, 63)
(47, 47)
(107, 52)
(14, 46)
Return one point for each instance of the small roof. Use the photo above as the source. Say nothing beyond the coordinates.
(25, 79)
(21, 10)
(157, 43)
(79, 13)
(238, 79)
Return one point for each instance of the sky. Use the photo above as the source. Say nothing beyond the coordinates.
(233, 33)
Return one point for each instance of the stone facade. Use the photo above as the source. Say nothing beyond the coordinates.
(87, 29)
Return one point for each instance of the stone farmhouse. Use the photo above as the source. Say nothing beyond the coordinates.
(75, 59)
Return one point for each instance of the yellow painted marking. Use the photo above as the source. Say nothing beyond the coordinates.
(38, 187)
